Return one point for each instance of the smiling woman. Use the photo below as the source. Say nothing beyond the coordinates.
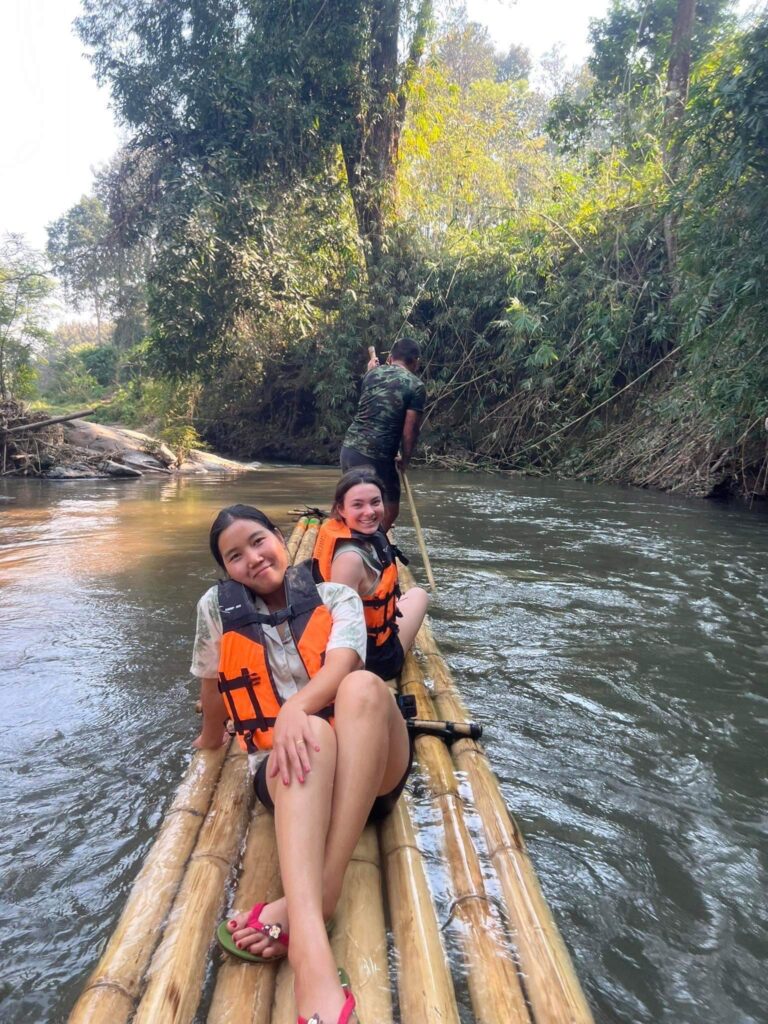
(281, 655)
(352, 548)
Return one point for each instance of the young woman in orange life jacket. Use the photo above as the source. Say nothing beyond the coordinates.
(352, 548)
(283, 657)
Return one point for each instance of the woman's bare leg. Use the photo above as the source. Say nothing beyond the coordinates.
(304, 807)
(373, 751)
(412, 607)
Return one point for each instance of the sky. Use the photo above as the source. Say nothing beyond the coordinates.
(56, 125)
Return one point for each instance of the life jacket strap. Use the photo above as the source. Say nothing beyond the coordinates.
(259, 722)
(288, 614)
(381, 602)
(397, 553)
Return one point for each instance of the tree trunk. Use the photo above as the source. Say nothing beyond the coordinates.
(371, 148)
(677, 93)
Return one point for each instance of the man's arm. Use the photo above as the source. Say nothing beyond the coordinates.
(411, 428)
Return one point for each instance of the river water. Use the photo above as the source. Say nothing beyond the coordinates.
(613, 643)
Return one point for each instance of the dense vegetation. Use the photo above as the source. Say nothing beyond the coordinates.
(582, 258)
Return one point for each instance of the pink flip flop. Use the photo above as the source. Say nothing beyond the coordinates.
(274, 932)
(346, 1010)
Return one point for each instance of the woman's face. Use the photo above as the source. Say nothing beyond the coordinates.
(363, 508)
(254, 555)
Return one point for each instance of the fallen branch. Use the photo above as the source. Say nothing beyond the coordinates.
(37, 424)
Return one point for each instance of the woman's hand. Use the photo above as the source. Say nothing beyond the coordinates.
(291, 742)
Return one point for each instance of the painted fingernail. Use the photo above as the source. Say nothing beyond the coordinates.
(232, 924)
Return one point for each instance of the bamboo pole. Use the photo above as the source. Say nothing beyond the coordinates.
(178, 966)
(244, 992)
(295, 539)
(423, 978)
(417, 527)
(307, 545)
(358, 940)
(549, 978)
(494, 987)
(113, 987)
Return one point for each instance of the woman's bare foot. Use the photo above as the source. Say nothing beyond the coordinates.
(256, 942)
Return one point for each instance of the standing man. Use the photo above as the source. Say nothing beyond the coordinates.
(388, 418)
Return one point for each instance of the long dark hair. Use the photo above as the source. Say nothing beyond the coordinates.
(229, 515)
(353, 477)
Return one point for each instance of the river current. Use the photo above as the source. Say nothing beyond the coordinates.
(612, 642)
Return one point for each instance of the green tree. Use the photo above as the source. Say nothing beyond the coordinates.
(470, 157)
(227, 98)
(25, 290)
(81, 256)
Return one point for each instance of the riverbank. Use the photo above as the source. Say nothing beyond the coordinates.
(80, 450)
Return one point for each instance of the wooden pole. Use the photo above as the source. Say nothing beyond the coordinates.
(178, 967)
(417, 527)
(423, 978)
(307, 545)
(551, 984)
(37, 424)
(113, 987)
(295, 539)
(244, 991)
(494, 986)
(358, 940)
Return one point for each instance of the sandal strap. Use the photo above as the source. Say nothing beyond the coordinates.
(275, 932)
(346, 1012)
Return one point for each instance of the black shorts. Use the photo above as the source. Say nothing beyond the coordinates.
(387, 660)
(382, 805)
(384, 468)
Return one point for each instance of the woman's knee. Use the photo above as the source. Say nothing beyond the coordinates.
(420, 597)
(361, 693)
(322, 731)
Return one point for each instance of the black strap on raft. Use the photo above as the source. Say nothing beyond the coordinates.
(447, 731)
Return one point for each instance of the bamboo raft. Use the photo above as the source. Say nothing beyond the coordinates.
(514, 964)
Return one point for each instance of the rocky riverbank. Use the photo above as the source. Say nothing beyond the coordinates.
(81, 450)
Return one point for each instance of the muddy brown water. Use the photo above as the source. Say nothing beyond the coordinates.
(612, 642)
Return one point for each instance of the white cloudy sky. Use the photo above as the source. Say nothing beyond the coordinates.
(56, 124)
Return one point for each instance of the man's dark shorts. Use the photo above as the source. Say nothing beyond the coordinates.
(384, 468)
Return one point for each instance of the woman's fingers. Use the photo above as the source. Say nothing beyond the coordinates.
(303, 751)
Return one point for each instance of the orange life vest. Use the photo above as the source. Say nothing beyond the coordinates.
(380, 607)
(245, 675)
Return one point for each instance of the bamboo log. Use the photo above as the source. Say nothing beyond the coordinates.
(296, 537)
(424, 981)
(243, 992)
(178, 967)
(37, 424)
(494, 986)
(113, 987)
(358, 940)
(549, 978)
(307, 545)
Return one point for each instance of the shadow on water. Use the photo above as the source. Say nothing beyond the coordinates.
(612, 642)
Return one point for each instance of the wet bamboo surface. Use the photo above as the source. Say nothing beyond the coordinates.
(387, 930)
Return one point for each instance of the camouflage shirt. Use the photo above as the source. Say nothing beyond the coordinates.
(388, 392)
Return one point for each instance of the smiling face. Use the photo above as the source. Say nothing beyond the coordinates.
(363, 508)
(254, 556)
